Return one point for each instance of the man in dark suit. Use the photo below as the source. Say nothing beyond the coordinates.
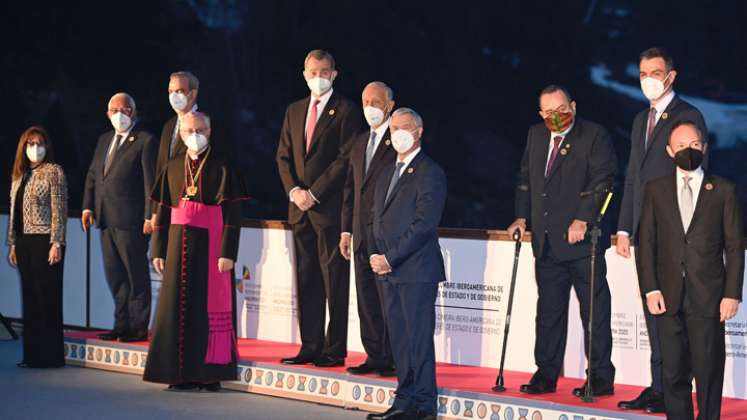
(567, 163)
(649, 160)
(117, 196)
(312, 162)
(370, 152)
(405, 254)
(691, 272)
(183, 89)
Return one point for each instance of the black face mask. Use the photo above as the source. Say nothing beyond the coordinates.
(688, 159)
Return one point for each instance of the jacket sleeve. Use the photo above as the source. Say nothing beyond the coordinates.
(161, 197)
(522, 200)
(625, 219)
(647, 240)
(89, 190)
(232, 193)
(733, 249)
(11, 233)
(333, 178)
(148, 162)
(601, 175)
(348, 198)
(58, 201)
(284, 156)
(429, 205)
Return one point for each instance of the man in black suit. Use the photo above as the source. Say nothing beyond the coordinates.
(405, 254)
(117, 197)
(691, 272)
(183, 89)
(370, 152)
(649, 160)
(567, 163)
(312, 162)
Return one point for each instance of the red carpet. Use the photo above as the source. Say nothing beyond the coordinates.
(462, 378)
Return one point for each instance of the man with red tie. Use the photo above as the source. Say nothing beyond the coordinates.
(567, 161)
(312, 162)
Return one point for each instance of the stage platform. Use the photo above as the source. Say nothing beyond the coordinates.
(464, 391)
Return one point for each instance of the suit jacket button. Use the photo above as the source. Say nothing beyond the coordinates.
(547, 213)
(543, 195)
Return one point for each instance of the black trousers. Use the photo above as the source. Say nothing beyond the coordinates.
(128, 275)
(692, 346)
(411, 317)
(554, 281)
(657, 381)
(322, 275)
(374, 335)
(41, 287)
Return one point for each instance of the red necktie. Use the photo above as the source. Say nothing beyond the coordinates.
(556, 144)
(651, 126)
(311, 125)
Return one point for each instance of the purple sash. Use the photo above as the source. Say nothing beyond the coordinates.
(221, 336)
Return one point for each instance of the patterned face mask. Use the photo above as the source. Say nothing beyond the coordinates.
(558, 122)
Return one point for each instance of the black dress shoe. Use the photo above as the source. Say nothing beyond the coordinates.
(185, 387)
(297, 360)
(211, 387)
(386, 372)
(423, 415)
(329, 361)
(641, 401)
(391, 414)
(656, 405)
(539, 384)
(111, 335)
(134, 337)
(599, 388)
(363, 369)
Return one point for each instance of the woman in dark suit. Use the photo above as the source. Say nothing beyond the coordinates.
(36, 236)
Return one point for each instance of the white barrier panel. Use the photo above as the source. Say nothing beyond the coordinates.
(471, 305)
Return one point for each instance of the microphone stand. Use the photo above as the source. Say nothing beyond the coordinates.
(596, 233)
(516, 236)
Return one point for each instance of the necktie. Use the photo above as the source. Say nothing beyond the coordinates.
(370, 150)
(650, 126)
(395, 178)
(556, 144)
(686, 203)
(112, 152)
(311, 125)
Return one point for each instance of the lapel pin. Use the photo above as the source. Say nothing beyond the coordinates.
(410, 170)
(331, 112)
(388, 142)
(567, 145)
(563, 152)
(131, 139)
(709, 186)
(664, 116)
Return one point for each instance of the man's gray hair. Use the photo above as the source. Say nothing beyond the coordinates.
(130, 100)
(387, 89)
(196, 114)
(319, 55)
(410, 112)
(194, 83)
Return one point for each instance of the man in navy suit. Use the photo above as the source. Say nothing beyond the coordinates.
(117, 196)
(649, 160)
(566, 163)
(405, 254)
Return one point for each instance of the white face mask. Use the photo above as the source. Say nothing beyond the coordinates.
(196, 143)
(652, 88)
(121, 122)
(319, 85)
(402, 141)
(36, 152)
(374, 116)
(178, 101)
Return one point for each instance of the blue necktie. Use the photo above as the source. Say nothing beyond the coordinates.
(395, 178)
(370, 150)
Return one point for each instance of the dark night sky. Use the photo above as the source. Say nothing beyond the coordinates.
(472, 72)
